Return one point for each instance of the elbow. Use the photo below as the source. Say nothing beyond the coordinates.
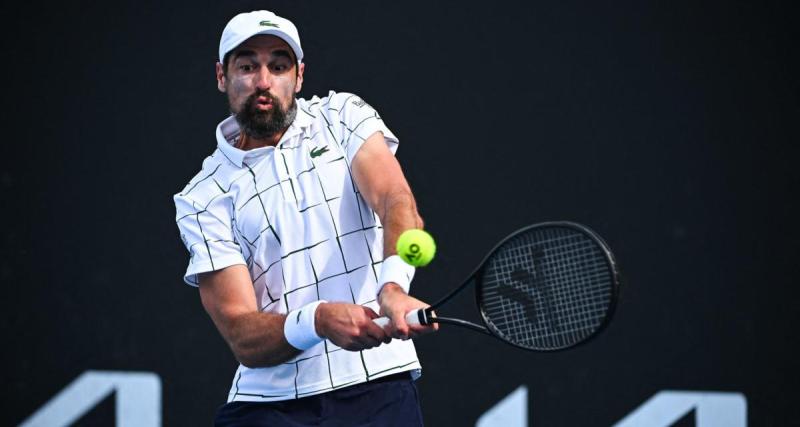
(251, 359)
(251, 363)
(262, 352)
(246, 360)
(245, 357)
(255, 348)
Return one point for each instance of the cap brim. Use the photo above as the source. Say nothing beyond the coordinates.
(298, 52)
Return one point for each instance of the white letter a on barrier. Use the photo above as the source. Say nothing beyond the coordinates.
(138, 400)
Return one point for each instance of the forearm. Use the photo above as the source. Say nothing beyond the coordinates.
(398, 212)
(257, 340)
(380, 180)
(383, 186)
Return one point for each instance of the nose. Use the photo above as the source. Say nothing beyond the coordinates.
(263, 78)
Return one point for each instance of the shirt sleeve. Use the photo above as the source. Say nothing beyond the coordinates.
(359, 121)
(206, 230)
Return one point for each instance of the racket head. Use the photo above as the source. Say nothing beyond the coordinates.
(548, 286)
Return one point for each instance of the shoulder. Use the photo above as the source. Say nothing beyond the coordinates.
(208, 183)
(334, 103)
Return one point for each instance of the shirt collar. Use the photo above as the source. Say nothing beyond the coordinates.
(301, 121)
(228, 133)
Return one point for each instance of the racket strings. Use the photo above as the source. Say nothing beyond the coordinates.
(547, 288)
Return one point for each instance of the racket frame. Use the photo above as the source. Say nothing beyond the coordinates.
(426, 316)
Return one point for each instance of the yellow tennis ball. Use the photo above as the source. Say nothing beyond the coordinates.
(416, 247)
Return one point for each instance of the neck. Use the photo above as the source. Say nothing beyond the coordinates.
(247, 142)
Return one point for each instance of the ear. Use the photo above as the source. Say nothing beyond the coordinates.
(299, 84)
(220, 77)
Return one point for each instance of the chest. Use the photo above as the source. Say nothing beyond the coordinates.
(296, 197)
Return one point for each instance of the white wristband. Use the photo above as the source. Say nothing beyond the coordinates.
(395, 270)
(299, 328)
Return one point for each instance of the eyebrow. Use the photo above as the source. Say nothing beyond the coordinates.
(284, 53)
(244, 52)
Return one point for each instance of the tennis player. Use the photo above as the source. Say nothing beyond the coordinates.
(291, 225)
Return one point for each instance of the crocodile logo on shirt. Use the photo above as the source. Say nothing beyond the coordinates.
(358, 102)
(318, 151)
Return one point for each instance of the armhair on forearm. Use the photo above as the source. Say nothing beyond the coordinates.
(253, 349)
(399, 213)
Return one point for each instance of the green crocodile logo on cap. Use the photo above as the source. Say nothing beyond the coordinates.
(268, 24)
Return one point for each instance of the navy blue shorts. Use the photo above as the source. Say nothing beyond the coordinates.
(388, 401)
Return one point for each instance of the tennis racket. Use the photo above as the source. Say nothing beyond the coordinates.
(545, 287)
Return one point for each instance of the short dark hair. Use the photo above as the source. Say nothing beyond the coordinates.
(225, 60)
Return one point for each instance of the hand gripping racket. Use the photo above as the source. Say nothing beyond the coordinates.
(545, 287)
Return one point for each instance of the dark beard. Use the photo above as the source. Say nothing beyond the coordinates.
(264, 124)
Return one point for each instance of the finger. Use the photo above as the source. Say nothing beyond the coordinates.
(417, 330)
(353, 346)
(432, 326)
(400, 328)
(370, 313)
(367, 342)
(376, 332)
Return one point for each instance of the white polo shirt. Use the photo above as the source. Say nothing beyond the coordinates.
(294, 217)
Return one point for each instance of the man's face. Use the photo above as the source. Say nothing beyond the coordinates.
(261, 80)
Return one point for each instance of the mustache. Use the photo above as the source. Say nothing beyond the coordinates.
(264, 124)
(259, 93)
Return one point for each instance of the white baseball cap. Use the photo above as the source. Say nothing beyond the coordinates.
(246, 25)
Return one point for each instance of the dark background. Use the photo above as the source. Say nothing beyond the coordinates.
(671, 128)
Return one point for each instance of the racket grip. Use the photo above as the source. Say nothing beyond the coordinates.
(412, 318)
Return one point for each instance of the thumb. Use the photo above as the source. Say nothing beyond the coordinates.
(370, 313)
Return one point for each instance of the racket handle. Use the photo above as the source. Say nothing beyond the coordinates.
(412, 318)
